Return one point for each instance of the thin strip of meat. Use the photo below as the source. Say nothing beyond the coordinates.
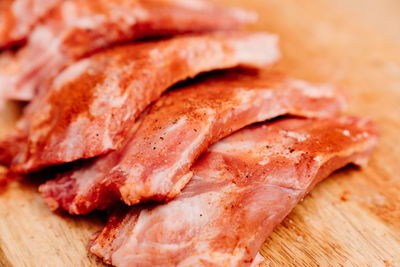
(18, 17)
(156, 162)
(242, 187)
(93, 103)
(77, 28)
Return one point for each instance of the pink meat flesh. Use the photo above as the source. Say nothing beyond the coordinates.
(155, 163)
(77, 28)
(18, 17)
(93, 103)
(242, 187)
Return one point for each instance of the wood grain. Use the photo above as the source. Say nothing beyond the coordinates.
(351, 219)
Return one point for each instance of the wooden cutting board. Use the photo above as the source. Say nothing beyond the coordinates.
(351, 219)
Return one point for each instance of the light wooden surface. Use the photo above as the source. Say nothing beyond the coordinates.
(351, 219)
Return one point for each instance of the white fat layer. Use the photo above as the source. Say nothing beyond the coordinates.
(362, 135)
(189, 217)
(160, 182)
(259, 99)
(228, 146)
(314, 91)
(244, 15)
(264, 162)
(107, 94)
(119, 101)
(71, 73)
(192, 4)
(20, 10)
(42, 40)
(247, 96)
(173, 127)
(69, 12)
(298, 136)
(87, 22)
(196, 215)
(107, 139)
(126, 16)
(43, 66)
(266, 44)
(319, 159)
(73, 17)
(28, 12)
(39, 119)
(129, 18)
(72, 143)
(191, 206)
(258, 260)
(262, 152)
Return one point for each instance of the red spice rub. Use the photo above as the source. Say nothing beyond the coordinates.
(242, 187)
(78, 28)
(155, 162)
(18, 17)
(93, 103)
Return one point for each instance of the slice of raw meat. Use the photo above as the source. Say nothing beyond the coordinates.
(77, 28)
(156, 162)
(94, 102)
(18, 17)
(242, 187)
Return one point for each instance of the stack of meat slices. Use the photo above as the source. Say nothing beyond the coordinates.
(198, 175)
(77, 28)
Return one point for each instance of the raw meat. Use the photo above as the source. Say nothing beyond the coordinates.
(93, 103)
(18, 17)
(156, 162)
(77, 28)
(242, 187)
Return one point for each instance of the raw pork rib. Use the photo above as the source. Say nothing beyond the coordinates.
(17, 17)
(156, 162)
(77, 28)
(94, 102)
(242, 187)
